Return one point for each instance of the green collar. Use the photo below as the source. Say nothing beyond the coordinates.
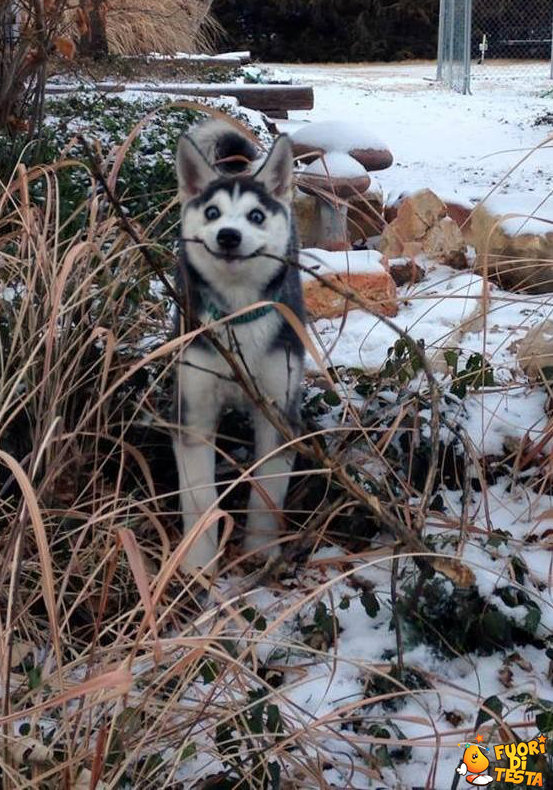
(246, 318)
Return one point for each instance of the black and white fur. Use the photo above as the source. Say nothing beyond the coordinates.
(238, 248)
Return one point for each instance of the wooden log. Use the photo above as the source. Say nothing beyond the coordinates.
(256, 97)
(266, 98)
(279, 114)
(101, 87)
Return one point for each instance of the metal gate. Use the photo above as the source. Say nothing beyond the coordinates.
(480, 40)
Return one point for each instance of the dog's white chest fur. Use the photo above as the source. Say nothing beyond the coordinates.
(250, 345)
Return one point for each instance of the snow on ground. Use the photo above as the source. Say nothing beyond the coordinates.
(462, 147)
(458, 146)
(446, 310)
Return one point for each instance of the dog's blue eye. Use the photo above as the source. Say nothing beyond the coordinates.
(256, 216)
(211, 213)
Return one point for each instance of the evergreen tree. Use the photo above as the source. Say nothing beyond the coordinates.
(330, 30)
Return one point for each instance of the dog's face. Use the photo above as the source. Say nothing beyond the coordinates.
(236, 228)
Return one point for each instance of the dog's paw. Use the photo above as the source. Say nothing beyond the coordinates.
(263, 545)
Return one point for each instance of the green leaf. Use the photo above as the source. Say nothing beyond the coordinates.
(497, 627)
(331, 398)
(151, 764)
(274, 720)
(544, 721)
(187, 751)
(370, 603)
(255, 719)
(209, 671)
(274, 775)
(494, 704)
(533, 618)
(251, 614)
(226, 743)
(326, 621)
(452, 358)
(34, 676)
(547, 372)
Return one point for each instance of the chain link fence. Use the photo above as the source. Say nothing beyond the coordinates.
(500, 42)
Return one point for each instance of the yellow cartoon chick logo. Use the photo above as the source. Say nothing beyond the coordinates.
(474, 765)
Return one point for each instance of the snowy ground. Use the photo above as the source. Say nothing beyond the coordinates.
(458, 146)
(461, 147)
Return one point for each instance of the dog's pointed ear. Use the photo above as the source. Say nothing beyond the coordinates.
(277, 171)
(194, 172)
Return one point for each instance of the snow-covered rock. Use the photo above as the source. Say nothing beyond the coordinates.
(343, 137)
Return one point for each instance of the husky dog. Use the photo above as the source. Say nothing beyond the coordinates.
(238, 247)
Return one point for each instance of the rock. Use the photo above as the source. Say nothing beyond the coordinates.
(423, 210)
(422, 226)
(461, 214)
(518, 254)
(535, 351)
(339, 186)
(306, 211)
(341, 136)
(340, 156)
(364, 214)
(363, 270)
(444, 243)
(378, 289)
(373, 158)
(406, 271)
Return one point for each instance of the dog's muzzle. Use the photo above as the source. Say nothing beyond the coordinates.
(229, 239)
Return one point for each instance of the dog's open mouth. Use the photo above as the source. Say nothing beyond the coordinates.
(230, 256)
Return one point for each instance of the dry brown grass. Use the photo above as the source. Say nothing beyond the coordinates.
(136, 27)
(115, 671)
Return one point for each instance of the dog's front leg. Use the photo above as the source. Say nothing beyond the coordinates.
(195, 457)
(194, 447)
(269, 486)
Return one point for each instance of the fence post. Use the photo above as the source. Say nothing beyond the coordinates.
(451, 41)
(551, 69)
(467, 46)
(439, 72)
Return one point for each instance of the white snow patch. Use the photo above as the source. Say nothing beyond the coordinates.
(338, 136)
(433, 310)
(512, 412)
(531, 213)
(338, 165)
(350, 262)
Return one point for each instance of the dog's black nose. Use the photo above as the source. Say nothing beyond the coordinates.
(229, 238)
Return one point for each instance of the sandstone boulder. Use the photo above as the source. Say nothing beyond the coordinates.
(421, 226)
(444, 243)
(363, 271)
(515, 250)
(535, 351)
